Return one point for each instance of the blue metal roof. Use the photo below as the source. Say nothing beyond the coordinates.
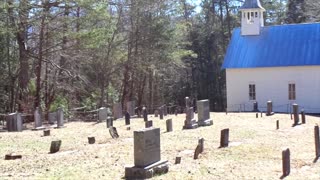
(276, 46)
(251, 4)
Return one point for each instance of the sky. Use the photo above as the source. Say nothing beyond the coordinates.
(197, 3)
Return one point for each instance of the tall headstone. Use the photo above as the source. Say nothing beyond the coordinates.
(127, 118)
(14, 122)
(37, 118)
(317, 140)
(131, 107)
(190, 122)
(295, 108)
(169, 125)
(102, 114)
(52, 117)
(117, 111)
(224, 138)
(60, 120)
(161, 112)
(285, 162)
(204, 113)
(269, 108)
(145, 114)
(303, 117)
(147, 157)
(255, 106)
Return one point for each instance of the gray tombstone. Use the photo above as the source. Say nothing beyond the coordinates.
(37, 119)
(147, 157)
(130, 107)
(295, 108)
(204, 113)
(117, 111)
(317, 140)
(109, 122)
(255, 106)
(52, 117)
(303, 117)
(169, 125)
(269, 108)
(148, 124)
(14, 122)
(145, 114)
(60, 120)
(224, 138)
(102, 114)
(161, 112)
(190, 122)
(285, 162)
(146, 146)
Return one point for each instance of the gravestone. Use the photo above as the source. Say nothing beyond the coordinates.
(14, 122)
(178, 160)
(317, 140)
(277, 124)
(131, 107)
(156, 113)
(201, 143)
(169, 125)
(52, 117)
(204, 113)
(224, 138)
(113, 132)
(46, 132)
(147, 157)
(109, 122)
(303, 117)
(127, 118)
(102, 114)
(190, 122)
(255, 106)
(91, 140)
(176, 112)
(295, 108)
(148, 124)
(269, 108)
(197, 152)
(165, 110)
(37, 120)
(117, 111)
(188, 103)
(285, 162)
(257, 115)
(145, 114)
(60, 120)
(161, 112)
(12, 157)
(55, 146)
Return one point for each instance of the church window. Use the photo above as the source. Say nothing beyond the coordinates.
(252, 92)
(292, 91)
(256, 14)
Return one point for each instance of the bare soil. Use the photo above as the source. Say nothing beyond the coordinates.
(254, 152)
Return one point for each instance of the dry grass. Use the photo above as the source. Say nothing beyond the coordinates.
(254, 152)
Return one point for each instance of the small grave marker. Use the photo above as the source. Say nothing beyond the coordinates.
(201, 143)
(317, 140)
(285, 162)
(295, 108)
(55, 146)
(269, 108)
(127, 118)
(178, 160)
(156, 113)
(46, 132)
(91, 140)
(109, 122)
(161, 112)
(169, 125)
(113, 132)
(197, 152)
(277, 124)
(224, 139)
(148, 124)
(145, 114)
(257, 115)
(303, 117)
(12, 157)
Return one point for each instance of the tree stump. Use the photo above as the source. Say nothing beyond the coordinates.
(55, 146)
(91, 140)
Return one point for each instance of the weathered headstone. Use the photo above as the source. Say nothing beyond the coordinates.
(190, 122)
(285, 162)
(255, 106)
(161, 112)
(269, 108)
(102, 114)
(169, 125)
(317, 140)
(37, 119)
(14, 122)
(117, 111)
(178, 160)
(46, 132)
(113, 132)
(303, 117)
(60, 120)
(131, 107)
(127, 118)
(277, 124)
(52, 117)
(12, 157)
(145, 114)
(55, 146)
(147, 158)
(204, 113)
(156, 113)
(224, 139)
(295, 108)
(257, 115)
(148, 124)
(109, 122)
(197, 152)
(201, 143)
(91, 140)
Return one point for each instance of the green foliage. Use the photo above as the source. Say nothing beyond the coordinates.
(62, 102)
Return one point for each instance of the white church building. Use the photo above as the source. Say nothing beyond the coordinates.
(278, 63)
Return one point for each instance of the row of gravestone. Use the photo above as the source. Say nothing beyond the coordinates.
(14, 121)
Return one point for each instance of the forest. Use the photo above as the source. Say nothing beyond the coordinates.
(94, 53)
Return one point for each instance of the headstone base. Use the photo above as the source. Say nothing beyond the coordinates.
(38, 128)
(58, 127)
(191, 125)
(160, 167)
(207, 122)
(270, 114)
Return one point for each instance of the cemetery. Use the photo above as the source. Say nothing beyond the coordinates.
(235, 146)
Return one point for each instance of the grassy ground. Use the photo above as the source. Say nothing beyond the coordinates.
(254, 151)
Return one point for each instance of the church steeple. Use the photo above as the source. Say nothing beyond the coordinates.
(251, 17)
